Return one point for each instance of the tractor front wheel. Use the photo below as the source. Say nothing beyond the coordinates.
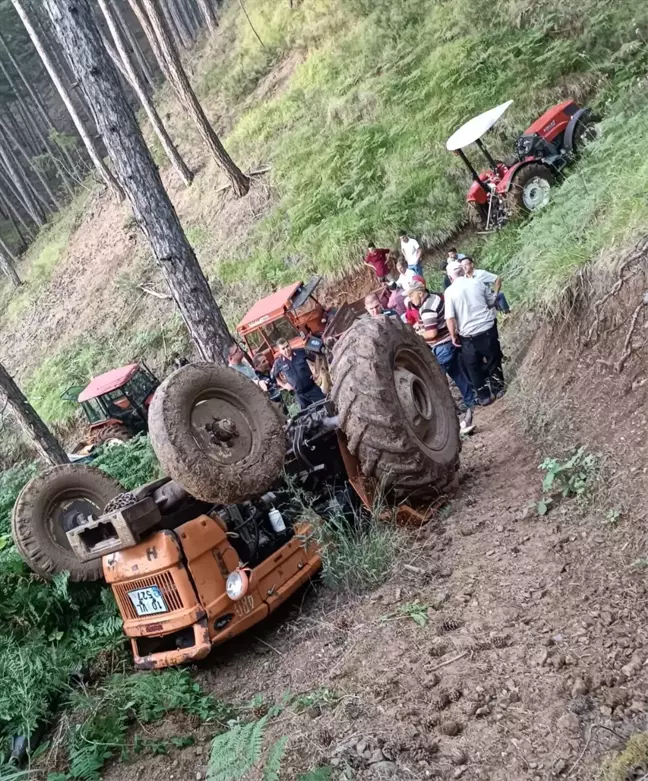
(395, 408)
(50, 505)
(216, 433)
(530, 189)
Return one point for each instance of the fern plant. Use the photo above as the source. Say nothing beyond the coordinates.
(235, 752)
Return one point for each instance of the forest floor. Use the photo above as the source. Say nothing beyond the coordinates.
(515, 648)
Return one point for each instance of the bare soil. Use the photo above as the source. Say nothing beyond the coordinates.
(533, 653)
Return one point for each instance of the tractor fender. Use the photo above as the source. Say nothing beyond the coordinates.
(505, 185)
(571, 127)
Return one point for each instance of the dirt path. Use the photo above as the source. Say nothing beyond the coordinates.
(532, 652)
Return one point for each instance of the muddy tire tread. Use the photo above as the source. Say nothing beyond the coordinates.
(374, 423)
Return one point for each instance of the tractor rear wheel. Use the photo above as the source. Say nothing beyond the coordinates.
(395, 409)
(530, 189)
(49, 506)
(112, 435)
(584, 133)
(216, 433)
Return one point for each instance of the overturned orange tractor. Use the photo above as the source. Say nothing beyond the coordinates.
(206, 553)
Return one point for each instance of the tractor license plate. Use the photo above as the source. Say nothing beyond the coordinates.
(148, 601)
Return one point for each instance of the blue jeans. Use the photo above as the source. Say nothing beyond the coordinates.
(448, 357)
(501, 304)
(417, 268)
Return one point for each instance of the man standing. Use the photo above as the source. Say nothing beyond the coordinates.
(492, 282)
(433, 328)
(412, 253)
(236, 359)
(292, 373)
(378, 259)
(470, 315)
(266, 381)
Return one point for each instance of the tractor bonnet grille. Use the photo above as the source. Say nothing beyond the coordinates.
(164, 581)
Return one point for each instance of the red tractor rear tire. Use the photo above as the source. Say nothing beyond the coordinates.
(109, 433)
(530, 189)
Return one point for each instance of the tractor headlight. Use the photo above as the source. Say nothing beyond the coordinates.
(236, 585)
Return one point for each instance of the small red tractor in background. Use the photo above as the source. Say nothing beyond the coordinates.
(115, 403)
(523, 185)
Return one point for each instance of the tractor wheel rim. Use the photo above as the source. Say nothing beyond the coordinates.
(535, 194)
(415, 385)
(221, 426)
(68, 510)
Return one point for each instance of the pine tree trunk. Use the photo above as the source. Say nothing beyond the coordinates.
(177, 77)
(99, 164)
(138, 87)
(24, 194)
(18, 147)
(192, 17)
(208, 15)
(7, 215)
(36, 100)
(7, 267)
(153, 210)
(174, 31)
(132, 41)
(41, 203)
(47, 445)
(11, 208)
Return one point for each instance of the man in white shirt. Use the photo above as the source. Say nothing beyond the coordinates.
(470, 315)
(412, 253)
(406, 276)
(492, 281)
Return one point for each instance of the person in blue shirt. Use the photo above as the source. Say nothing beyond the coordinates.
(292, 373)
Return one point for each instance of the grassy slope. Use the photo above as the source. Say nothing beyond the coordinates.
(355, 137)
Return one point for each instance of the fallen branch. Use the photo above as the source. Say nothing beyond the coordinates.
(163, 296)
(449, 661)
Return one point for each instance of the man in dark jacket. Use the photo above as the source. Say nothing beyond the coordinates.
(292, 373)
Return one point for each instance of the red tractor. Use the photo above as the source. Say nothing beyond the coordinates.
(115, 404)
(521, 186)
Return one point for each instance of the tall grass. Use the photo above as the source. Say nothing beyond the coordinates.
(357, 137)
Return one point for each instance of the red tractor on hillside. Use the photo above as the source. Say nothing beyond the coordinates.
(115, 404)
(522, 185)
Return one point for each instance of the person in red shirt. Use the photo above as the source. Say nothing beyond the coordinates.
(378, 259)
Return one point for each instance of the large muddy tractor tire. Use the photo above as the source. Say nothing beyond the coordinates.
(216, 433)
(530, 189)
(49, 506)
(395, 408)
(585, 132)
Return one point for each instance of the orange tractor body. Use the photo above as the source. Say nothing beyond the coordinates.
(171, 589)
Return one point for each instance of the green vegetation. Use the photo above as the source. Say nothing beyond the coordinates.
(134, 463)
(97, 728)
(634, 757)
(356, 137)
(416, 611)
(52, 631)
(573, 477)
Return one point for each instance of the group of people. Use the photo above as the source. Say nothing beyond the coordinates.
(459, 324)
(290, 372)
